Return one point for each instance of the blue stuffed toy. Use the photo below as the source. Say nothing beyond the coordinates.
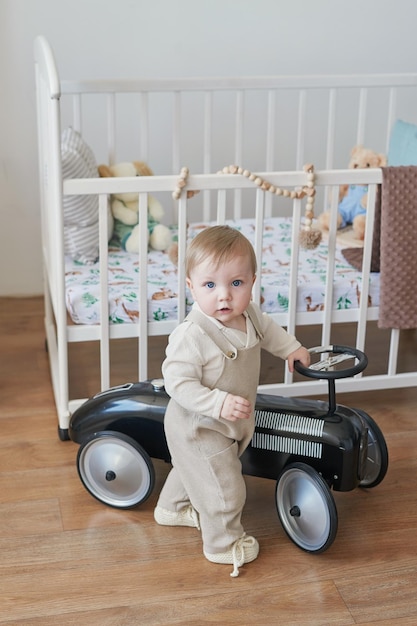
(351, 204)
(353, 198)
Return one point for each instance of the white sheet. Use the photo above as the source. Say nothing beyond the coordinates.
(82, 281)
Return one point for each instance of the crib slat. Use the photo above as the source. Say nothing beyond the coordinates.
(207, 149)
(270, 131)
(221, 206)
(329, 290)
(111, 128)
(393, 352)
(270, 144)
(301, 125)
(331, 122)
(239, 125)
(207, 138)
(363, 99)
(104, 299)
(292, 292)
(182, 243)
(144, 126)
(240, 106)
(366, 267)
(259, 232)
(392, 109)
(176, 133)
(143, 287)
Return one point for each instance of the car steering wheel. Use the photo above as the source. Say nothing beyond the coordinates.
(321, 369)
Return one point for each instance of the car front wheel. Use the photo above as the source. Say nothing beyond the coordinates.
(306, 507)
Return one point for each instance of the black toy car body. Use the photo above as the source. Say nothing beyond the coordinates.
(308, 446)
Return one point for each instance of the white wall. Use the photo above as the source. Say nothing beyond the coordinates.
(99, 38)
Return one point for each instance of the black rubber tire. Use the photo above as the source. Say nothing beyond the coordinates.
(377, 460)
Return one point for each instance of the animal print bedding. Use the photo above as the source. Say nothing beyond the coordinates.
(83, 281)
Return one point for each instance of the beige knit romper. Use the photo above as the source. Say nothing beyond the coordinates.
(205, 451)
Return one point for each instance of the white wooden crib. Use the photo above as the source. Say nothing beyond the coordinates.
(270, 125)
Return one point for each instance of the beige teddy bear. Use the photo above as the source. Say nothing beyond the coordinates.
(353, 198)
(124, 207)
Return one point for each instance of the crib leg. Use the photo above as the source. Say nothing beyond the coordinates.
(63, 434)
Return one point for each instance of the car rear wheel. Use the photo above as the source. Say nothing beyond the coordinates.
(306, 507)
(115, 469)
(377, 457)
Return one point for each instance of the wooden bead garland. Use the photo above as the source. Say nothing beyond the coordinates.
(181, 183)
(309, 237)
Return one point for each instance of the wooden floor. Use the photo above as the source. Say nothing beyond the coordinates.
(68, 559)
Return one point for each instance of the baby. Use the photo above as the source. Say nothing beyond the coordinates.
(211, 373)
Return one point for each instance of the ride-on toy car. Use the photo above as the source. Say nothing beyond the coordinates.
(308, 446)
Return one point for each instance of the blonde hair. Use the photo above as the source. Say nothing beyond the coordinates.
(220, 244)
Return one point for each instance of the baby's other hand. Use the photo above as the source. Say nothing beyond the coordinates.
(302, 355)
(235, 408)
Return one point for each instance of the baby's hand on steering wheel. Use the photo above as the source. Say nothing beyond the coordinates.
(302, 355)
(235, 408)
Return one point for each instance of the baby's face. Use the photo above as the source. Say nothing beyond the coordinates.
(223, 292)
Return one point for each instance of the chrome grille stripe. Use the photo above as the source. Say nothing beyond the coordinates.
(276, 443)
(289, 423)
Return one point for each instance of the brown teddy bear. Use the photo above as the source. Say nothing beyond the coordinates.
(353, 198)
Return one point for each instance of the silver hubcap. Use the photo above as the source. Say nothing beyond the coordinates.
(303, 509)
(114, 471)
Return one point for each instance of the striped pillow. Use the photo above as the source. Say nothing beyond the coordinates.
(81, 236)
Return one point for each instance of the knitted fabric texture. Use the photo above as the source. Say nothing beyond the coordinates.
(394, 247)
(397, 302)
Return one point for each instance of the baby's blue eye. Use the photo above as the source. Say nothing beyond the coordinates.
(236, 283)
(210, 285)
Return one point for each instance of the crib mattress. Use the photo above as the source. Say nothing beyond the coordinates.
(83, 281)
